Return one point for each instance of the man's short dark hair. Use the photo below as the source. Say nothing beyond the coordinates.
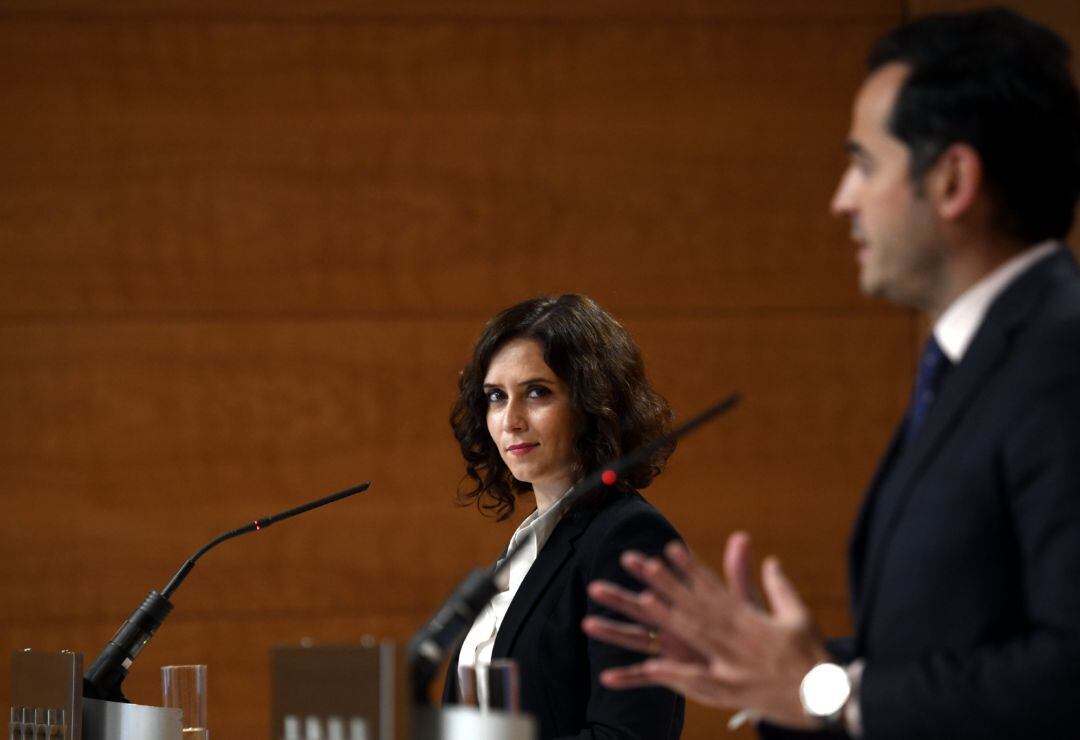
(1002, 84)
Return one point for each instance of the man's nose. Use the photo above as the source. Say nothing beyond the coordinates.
(843, 200)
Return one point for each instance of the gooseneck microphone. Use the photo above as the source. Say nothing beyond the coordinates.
(428, 647)
(103, 678)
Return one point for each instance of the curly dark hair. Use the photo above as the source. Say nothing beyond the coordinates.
(602, 367)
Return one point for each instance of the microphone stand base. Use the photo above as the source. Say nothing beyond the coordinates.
(110, 720)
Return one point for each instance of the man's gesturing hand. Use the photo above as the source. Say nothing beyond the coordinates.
(718, 643)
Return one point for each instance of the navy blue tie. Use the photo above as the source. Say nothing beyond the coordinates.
(932, 369)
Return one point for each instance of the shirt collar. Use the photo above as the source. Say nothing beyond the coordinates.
(956, 327)
(531, 535)
(540, 526)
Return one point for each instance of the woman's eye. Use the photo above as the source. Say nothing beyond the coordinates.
(537, 391)
(494, 396)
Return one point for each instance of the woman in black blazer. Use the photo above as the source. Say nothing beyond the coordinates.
(555, 388)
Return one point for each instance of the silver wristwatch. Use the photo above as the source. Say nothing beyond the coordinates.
(824, 692)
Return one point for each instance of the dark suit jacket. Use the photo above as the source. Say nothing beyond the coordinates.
(559, 666)
(964, 564)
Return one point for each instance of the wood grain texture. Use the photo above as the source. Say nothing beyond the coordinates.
(201, 167)
(245, 248)
(528, 11)
(166, 435)
(145, 440)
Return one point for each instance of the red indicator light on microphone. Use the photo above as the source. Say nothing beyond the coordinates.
(609, 477)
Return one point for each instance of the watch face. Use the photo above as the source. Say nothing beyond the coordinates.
(825, 690)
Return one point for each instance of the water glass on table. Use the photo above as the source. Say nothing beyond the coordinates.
(491, 685)
(183, 687)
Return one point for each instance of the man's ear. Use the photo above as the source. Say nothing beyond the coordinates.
(955, 181)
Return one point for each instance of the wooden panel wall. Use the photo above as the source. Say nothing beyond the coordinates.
(245, 247)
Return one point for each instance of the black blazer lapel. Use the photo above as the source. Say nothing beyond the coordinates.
(1009, 313)
(556, 551)
(964, 382)
(860, 532)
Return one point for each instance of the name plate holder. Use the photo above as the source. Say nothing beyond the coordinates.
(331, 688)
(46, 695)
(47, 702)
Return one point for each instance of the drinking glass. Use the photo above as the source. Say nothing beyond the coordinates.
(466, 686)
(184, 687)
(498, 686)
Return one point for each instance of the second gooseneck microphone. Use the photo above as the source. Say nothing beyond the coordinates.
(103, 678)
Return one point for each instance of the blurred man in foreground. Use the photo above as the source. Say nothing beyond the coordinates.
(964, 565)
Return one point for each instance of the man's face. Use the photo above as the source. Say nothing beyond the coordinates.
(900, 255)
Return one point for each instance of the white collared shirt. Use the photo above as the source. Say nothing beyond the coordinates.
(530, 536)
(956, 327)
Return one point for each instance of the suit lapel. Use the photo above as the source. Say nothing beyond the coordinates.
(860, 532)
(964, 383)
(557, 550)
(900, 472)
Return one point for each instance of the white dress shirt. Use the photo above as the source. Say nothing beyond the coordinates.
(530, 536)
(956, 327)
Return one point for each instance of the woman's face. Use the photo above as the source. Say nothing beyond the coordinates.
(530, 419)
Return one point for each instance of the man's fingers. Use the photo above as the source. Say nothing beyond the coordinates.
(697, 612)
(739, 569)
(682, 579)
(634, 637)
(625, 677)
(633, 562)
(620, 599)
(645, 607)
(699, 577)
(660, 580)
(705, 634)
(784, 600)
(689, 679)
